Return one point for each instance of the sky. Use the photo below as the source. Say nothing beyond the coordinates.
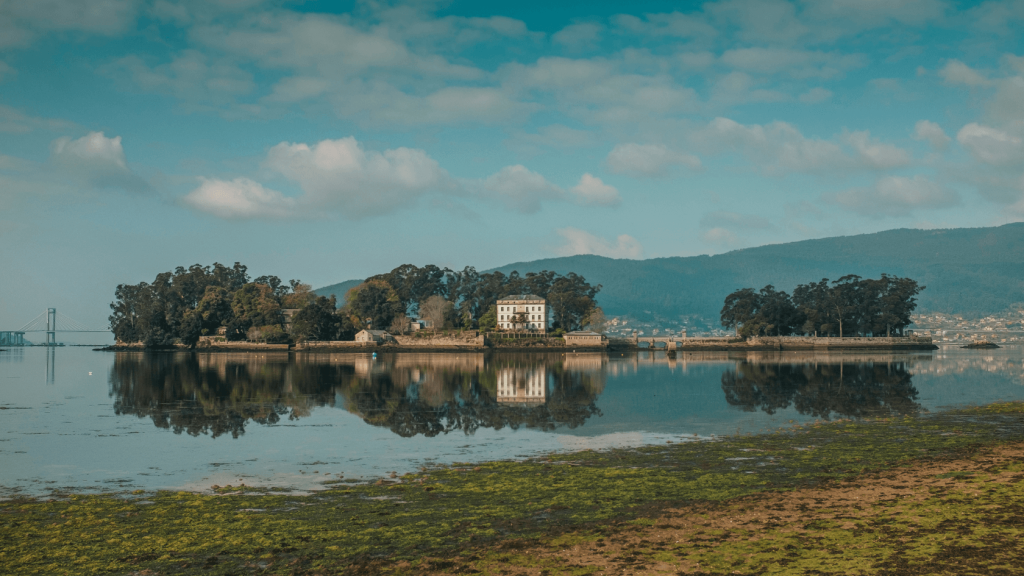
(325, 141)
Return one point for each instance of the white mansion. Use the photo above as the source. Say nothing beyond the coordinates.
(524, 312)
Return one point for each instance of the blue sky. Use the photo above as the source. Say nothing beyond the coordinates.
(328, 141)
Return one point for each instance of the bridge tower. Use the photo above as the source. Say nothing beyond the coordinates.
(51, 326)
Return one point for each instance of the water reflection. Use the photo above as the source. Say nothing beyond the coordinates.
(410, 394)
(857, 390)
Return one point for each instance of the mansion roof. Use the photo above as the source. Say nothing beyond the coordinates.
(521, 298)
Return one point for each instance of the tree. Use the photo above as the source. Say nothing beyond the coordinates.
(489, 321)
(812, 300)
(437, 311)
(374, 302)
(850, 305)
(400, 325)
(845, 299)
(776, 315)
(253, 305)
(572, 299)
(300, 296)
(596, 321)
(740, 309)
(318, 320)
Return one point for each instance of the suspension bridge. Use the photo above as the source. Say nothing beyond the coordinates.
(51, 322)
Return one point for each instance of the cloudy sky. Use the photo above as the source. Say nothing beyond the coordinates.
(332, 140)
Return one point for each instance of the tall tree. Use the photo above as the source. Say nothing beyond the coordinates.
(318, 320)
(374, 303)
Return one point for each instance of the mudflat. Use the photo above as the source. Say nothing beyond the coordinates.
(937, 493)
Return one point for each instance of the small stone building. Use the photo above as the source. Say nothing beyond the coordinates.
(585, 339)
(376, 336)
(524, 312)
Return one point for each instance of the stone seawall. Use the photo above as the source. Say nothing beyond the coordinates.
(776, 343)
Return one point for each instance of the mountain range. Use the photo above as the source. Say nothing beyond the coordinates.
(970, 271)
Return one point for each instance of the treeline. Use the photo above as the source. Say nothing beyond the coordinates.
(849, 306)
(465, 299)
(179, 307)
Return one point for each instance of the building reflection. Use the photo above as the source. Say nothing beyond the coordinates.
(411, 394)
(522, 386)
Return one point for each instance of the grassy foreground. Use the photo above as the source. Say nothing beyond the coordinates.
(746, 504)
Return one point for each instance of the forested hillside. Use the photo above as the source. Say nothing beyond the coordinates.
(338, 290)
(969, 270)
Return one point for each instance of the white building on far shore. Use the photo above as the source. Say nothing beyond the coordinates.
(524, 312)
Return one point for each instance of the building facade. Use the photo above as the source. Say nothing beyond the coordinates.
(586, 339)
(524, 312)
(377, 336)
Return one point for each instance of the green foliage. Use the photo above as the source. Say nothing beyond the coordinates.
(373, 304)
(489, 321)
(253, 306)
(850, 305)
(471, 294)
(180, 306)
(319, 320)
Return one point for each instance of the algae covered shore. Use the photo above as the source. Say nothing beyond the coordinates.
(905, 495)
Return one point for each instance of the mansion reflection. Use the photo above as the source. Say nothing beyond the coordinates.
(410, 394)
(823, 390)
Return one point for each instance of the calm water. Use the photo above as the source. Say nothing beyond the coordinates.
(74, 418)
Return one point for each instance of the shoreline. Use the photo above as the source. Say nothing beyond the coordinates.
(563, 511)
(612, 348)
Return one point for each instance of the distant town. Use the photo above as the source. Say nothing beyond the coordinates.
(1005, 327)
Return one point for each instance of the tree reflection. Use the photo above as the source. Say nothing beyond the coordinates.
(409, 394)
(821, 390)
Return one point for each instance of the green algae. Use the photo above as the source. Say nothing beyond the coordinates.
(557, 497)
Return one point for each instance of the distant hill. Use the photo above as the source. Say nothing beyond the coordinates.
(339, 290)
(966, 270)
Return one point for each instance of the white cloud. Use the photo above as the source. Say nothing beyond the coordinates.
(721, 237)
(734, 221)
(815, 95)
(860, 14)
(6, 70)
(581, 36)
(191, 76)
(1007, 103)
(240, 198)
(647, 159)
(14, 121)
(779, 148)
(27, 17)
(797, 63)
(553, 136)
(340, 175)
(596, 91)
(695, 60)
(297, 88)
(740, 88)
(875, 154)
(688, 26)
(591, 190)
(337, 177)
(759, 21)
(520, 188)
(896, 196)
(990, 145)
(97, 160)
(581, 242)
(932, 133)
(956, 72)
